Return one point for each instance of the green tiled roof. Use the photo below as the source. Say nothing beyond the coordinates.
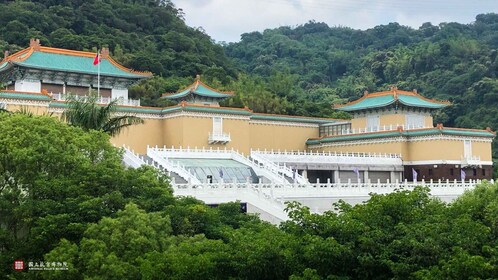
(367, 103)
(415, 101)
(222, 110)
(199, 89)
(382, 99)
(128, 109)
(409, 133)
(73, 63)
(290, 119)
(18, 95)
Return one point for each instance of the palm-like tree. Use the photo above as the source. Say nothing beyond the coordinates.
(87, 114)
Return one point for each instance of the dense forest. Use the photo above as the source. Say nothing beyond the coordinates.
(66, 198)
(297, 71)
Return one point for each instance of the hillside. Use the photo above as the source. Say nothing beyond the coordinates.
(297, 71)
(451, 61)
(144, 35)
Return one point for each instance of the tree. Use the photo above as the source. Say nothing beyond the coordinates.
(87, 114)
(56, 179)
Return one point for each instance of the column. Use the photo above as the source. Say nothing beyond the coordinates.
(336, 176)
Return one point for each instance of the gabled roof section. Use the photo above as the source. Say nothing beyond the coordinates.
(198, 88)
(386, 98)
(63, 60)
(439, 130)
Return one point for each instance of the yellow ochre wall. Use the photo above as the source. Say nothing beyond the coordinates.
(193, 131)
(280, 137)
(400, 148)
(37, 110)
(388, 120)
(358, 123)
(482, 149)
(137, 137)
(419, 150)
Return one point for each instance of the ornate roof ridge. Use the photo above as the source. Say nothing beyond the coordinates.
(186, 104)
(194, 87)
(300, 117)
(19, 56)
(26, 53)
(23, 92)
(395, 92)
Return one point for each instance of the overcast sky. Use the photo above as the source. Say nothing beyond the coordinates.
(226, 20)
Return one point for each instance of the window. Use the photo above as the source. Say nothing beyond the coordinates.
(467, 148)
(474, 172)
(430, 171)
(217, 126)
(452, 172)
(334, 129)
(414, 121)
(373, 123)
(483, 172)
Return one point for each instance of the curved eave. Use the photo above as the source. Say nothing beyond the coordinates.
(126, 76)
(367, 103)
(24, 95)
(188, 92)
(414, 101)
(4, 65)
(409, 133)
(291, 119)
(221, 110)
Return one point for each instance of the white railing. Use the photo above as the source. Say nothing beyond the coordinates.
(293, 157)
(220, 154)
(279, 169)
(132, 159)
(219, 138)
(270, 197)
(165, 163)
(223, 193)
(99, 100)
(471, 161)
(380, 129)
(329, 154)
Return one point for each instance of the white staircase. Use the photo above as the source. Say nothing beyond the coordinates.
(170, 166)
(260, 170)
(247, 193)
(279, 169)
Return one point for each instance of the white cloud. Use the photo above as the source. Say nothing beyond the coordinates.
(226, 20)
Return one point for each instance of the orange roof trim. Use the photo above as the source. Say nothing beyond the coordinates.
(24, 54)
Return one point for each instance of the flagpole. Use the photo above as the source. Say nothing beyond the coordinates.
(98, 75)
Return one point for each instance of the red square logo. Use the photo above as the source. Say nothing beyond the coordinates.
(18, 265)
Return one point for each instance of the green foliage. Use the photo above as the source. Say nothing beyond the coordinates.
(328, 65)
(87, 114)
(64, 196)
(56, 179)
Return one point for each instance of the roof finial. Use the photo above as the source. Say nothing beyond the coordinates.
(365, 93)
(415, 90)
(5, 55)
(197, 77)
(35, 44)
(104, 53)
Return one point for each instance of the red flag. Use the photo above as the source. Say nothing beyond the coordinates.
(96, 60)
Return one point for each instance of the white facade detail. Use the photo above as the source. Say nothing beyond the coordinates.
(217, 136)
(415, 121)
(373, 122)
(28, 86)
(119, 93)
